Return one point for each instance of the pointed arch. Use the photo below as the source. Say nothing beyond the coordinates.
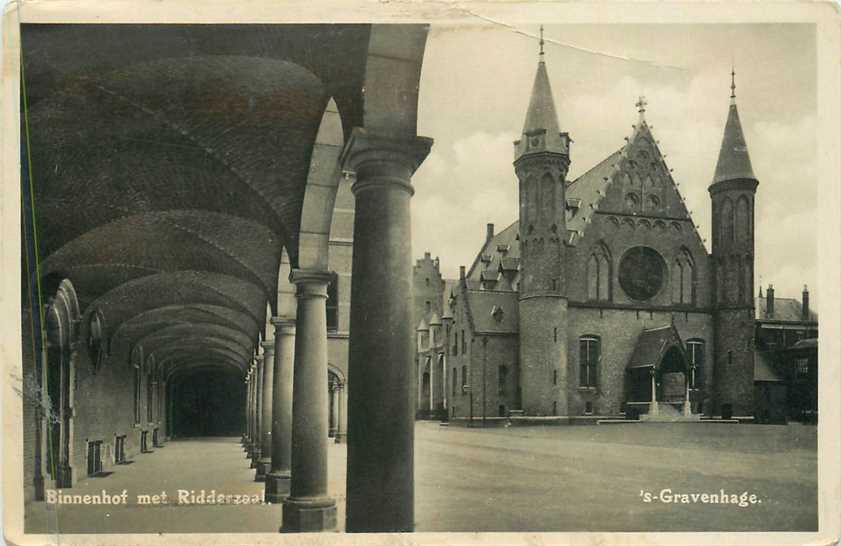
(547, 197)
(599, 273)
(726, 219)
(742, 220)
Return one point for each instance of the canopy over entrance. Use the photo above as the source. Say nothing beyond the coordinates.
(659, 348)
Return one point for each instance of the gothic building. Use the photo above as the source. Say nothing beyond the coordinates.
(602, 299)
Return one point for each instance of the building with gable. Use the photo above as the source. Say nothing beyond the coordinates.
(602, 299)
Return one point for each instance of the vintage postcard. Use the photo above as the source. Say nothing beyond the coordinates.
(470, 272)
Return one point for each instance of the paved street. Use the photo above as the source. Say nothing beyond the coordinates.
(585, 478)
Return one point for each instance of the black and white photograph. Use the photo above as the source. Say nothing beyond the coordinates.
(458, 274)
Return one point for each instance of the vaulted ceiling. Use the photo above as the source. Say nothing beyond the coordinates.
(169, 166)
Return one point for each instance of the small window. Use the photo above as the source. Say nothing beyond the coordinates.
(427, 281)
(554, 377)
(428, 306)
(463, 343)
(588, 408)
(556, 334)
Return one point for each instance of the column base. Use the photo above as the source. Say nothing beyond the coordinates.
(341, 437)
(255, 457)
(308, 515)
(278, 486)
(263, 467)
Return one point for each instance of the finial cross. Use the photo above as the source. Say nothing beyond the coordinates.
(541, 40)
(641, 104)
(732, 82)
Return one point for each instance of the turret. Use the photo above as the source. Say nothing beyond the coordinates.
(733, 192)
(541, 161)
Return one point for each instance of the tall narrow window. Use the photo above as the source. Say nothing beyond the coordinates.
(333, 304)
(695, 348)
(455, 344)
(554, 377)
(149, 404)
(588, 361)
(503, 376)
(463, 378)
(598, 274)
(455, 380)
(463, 343)
(137, 378)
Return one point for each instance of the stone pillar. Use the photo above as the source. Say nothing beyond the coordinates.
(258, 407)
(381, 405)
(687, 407)
(279, 477)
(334, 410)
(308, 508)
(249, 411)
(653, 409)
(247, 423)
(265, 463)
(341, 429)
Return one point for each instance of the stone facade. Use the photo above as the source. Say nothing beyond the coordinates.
(591, 269)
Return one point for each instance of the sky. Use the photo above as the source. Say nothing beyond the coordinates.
(474, 93)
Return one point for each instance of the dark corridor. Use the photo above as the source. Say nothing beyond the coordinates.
(207, 402)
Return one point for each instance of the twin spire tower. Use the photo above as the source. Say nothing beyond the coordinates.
(541, 163)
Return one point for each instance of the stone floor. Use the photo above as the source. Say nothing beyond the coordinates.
(578, 478)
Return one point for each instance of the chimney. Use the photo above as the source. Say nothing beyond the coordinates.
(769, 301)
(806, 315)
(461, 273)
(427, 255)
(490, 233)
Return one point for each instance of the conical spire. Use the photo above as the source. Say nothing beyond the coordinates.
(733, 159)
(541, 117)
(541, 113)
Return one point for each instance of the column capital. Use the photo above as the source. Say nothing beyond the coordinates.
(283, 326)
(380, 159)
(310, 283)
(258, 359)
(267, 345)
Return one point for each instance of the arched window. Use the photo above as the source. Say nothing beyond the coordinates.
(742, 219)
(632, 201)
(588, 360)
(599, 274)
(727, 228)
(695, 352)
(548, 198)
(683, 278)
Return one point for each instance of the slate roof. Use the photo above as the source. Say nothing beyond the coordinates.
(481, 305)
(733, 158)
(785, 309)
(652, 344)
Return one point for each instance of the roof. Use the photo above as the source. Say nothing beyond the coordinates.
(763, 368)
(811, 343)
(652, 344)
(541, 113)
(733, 158)
(785, 309)
(482, 304)
(589, 188)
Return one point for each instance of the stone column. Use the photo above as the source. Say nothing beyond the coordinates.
(258, 408)
(380, 468)
(279, 477)
(334, 410)
(341, 428)
(249, 410)
(653, 410)
(247, 424)
(265, 463)
(308, 508)
(687, 407)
